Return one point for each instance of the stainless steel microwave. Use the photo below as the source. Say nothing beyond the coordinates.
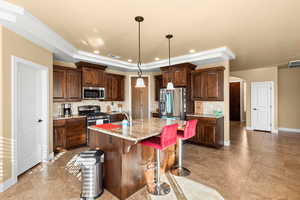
(93, 93)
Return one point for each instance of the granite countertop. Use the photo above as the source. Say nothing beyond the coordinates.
(61, 117)
(205, 115)
(113, 113)
(140, 130)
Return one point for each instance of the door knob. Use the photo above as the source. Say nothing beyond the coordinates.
(40, 120)
(254, 109)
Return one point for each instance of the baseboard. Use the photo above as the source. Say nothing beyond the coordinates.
(249, 128)
(8, 183)
(227, 143)
(274, 131)
(294, 130)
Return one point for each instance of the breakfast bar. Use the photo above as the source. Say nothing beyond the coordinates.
(125, 158)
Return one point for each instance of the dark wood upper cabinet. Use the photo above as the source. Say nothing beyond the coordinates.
(73, 90)
(92, 74)
(158, 85)
(178, 74)
(114, 87)
(66, 84)
(59, 84)
(208, 84)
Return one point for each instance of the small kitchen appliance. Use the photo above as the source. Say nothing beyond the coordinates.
(67, 109)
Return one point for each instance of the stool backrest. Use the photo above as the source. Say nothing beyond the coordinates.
(168, 135)
(190, 128)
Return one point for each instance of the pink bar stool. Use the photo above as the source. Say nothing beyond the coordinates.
(167, 138)
(189, 131)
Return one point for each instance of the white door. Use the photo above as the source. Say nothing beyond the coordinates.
(261, 104)
(29, 111)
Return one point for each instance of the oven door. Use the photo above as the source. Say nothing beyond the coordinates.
(93, 93)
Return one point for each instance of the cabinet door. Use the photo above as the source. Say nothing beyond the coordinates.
(59, 138)
(59, 84)
(180, 77)
(114, 88)
(208, 135)
(199, 86)
(73, 85)
(213, 84)
(100, 78)
(108, 91)
(121, 85)
(158, 86)
(75, 132)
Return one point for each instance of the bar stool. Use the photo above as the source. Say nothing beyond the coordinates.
(189, 131)
(167, 138)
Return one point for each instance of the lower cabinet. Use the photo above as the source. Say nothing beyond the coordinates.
(209, 131)
(69, 133)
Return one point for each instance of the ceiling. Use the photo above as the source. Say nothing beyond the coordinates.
(260, 32)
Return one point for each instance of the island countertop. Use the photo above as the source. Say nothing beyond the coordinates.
(140, 129)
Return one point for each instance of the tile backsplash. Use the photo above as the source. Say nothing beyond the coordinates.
(102, 104)
(208, 107)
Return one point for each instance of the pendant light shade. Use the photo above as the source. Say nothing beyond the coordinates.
(170, 85)
(140, 81)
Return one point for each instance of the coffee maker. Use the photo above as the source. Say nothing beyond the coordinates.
(66, 109)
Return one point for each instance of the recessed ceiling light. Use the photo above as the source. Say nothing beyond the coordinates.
(156, 58)
(129, 60)
(192, 51)
(96, 52)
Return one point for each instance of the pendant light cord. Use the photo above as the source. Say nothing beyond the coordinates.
(169, 52)
(139, 47)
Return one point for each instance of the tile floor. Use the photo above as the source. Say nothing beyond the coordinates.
(257, 165)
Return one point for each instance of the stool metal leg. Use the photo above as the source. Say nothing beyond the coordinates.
(179, 170)
(160, 188)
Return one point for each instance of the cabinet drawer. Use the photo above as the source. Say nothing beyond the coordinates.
(57, 123)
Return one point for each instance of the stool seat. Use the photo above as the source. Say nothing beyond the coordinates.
(153, 142)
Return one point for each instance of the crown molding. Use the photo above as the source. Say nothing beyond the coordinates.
(18, 20)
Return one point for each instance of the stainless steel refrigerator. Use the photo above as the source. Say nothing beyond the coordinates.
(172, 103)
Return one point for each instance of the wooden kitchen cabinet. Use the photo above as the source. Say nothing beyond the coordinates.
(158, 85)
(92, 74)
(117, 117)
(178, 74)
(208, 84)
(69, 133)
(209, 131)
(66, 84)
(114, 87)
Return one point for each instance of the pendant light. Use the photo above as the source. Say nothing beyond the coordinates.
(170, 85)
(140, 81)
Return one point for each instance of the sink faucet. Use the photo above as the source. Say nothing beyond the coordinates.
(128, 117)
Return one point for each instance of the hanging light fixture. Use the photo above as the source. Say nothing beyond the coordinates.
(140, 81)
(170, 85)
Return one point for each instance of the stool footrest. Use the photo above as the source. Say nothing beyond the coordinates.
(159, 189)
(180, 171)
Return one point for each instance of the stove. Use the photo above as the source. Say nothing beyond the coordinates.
(93, 115)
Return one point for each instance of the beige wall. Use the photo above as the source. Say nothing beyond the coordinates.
(258, 75)
(289, 98)
(14, 45)
(226, 96)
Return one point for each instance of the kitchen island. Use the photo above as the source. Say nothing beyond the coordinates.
(125, 158)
